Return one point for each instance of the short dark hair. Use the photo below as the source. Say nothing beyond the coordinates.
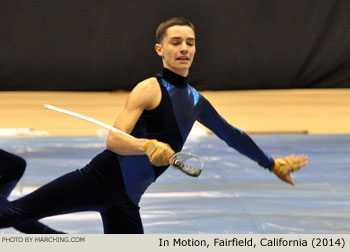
(162, 28)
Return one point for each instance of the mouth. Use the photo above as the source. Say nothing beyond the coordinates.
(183, 58)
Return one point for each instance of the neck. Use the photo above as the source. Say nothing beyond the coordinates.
(179, 71)
(174, 78)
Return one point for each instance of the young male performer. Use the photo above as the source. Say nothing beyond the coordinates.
(159, 113)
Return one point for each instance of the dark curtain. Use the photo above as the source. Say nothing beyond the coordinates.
(99, 45)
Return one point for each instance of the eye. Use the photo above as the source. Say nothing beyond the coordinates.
(191, 42)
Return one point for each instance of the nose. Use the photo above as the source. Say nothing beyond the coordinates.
(184, 48)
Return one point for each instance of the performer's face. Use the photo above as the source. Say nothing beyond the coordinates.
(177, 49)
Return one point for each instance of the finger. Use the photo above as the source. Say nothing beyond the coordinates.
(288, 179)
(171, 160)
(303, 160)
(306, 158)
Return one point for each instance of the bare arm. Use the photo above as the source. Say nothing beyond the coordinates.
(145, 96)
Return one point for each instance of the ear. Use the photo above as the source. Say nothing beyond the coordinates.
(159, 49)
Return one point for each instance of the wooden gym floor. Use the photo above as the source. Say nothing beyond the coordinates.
(313, 111)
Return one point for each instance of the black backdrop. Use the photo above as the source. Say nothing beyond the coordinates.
(93, 45)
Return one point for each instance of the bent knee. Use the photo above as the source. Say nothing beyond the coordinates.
(12, 167)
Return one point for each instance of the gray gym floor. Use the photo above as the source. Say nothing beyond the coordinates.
(232, 195)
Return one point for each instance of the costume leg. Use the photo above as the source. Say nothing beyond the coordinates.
(123, 218)
(67, 194)
(12, 169)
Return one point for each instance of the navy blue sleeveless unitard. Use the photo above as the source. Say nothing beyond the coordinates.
(113, 184)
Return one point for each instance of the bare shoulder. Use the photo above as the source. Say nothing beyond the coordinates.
(147, 92)
(150, 84)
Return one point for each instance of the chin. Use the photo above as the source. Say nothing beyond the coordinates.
(185, 66)
(183, 69)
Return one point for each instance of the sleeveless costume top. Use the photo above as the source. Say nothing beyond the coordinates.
(171, 122)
